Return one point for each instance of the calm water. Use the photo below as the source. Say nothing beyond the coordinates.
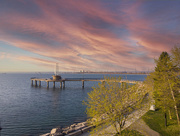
(26, 110)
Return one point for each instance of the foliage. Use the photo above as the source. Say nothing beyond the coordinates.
(149, 85)
(155, 121)
(111, 102)
(176, 61)
(176, 56)
(163, 72)
(166, 83)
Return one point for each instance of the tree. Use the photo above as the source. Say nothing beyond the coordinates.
(176, 61)
(176, 56)
(111, 102)
(166, 82)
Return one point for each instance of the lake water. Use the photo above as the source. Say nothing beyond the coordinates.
(27, 110)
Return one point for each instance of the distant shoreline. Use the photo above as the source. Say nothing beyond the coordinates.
(123, 73)
(127, 73)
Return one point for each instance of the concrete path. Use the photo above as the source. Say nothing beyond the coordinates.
(144, 129)
(133, 117)
(140, 126)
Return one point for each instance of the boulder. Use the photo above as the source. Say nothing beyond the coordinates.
(58, 134)
(152, 107)
(73, 126)
(70, 130)
(76, 133)
(47, 134)
(87, 129)
(56, 130)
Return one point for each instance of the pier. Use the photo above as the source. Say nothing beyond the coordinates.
(37, 81)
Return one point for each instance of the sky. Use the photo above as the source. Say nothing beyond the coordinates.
(89, 35)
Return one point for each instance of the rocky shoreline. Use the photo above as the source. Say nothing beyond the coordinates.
(73, 130)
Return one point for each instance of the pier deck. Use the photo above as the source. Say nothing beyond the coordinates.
(62, 81)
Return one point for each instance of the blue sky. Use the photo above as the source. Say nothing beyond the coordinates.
(86, 35)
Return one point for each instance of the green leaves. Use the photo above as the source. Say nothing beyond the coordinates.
(165, 81)
(112, 101)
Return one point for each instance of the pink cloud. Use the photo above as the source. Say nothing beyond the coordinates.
(87, 35)
(148, 32)
(2, 55)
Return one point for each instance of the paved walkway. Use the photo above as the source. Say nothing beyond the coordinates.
(133, 118)
(141, 126)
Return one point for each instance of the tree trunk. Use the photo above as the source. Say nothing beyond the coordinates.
(170, 117)
(115, 126)
(165, 117)
(175, 107)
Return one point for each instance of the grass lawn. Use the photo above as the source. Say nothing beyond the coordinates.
(128, 132)
(155, 120)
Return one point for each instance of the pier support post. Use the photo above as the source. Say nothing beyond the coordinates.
(53, 84)
(31, 82)
(47, 84)
(36, 83)
(39, 83)
(60, 84)
(82, 83)
(63, 84)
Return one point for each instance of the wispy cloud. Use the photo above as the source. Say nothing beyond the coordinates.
(2, 55)
(91, 35)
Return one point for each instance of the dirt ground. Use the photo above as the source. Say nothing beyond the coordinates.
(144, 129)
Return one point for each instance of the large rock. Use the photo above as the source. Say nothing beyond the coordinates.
(55, 131)
(47, 134)
(76, 133)
(73, 130)
(152, 108)
(70, 130)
